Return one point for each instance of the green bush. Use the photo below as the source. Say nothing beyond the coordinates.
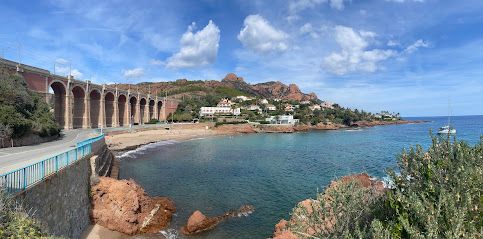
(15, 222)
(434, 194)
(22, 110)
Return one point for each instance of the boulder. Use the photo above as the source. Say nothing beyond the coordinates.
(123, 206)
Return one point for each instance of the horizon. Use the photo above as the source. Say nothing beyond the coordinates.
(400, 56)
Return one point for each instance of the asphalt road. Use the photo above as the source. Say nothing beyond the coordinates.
(18, 157)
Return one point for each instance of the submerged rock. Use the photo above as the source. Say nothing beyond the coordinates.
(198, 222)
(124, 206)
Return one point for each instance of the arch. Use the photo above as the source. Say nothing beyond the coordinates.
(78, 109)
(142, 107)
(159, 107)
(95, 108)
(151, 109)
(133, 103)
(109, 108)
(121, 106)
(58, 101)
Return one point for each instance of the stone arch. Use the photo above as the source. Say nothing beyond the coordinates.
(95, 108)
(58, 101)
(151, 109)
(133, 104)
(78, 109)
(109, 108)
(142, 107)
(159, 108)
(121, 106)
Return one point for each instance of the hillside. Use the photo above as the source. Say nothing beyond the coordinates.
(231, 85)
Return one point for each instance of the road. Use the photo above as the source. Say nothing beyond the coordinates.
(18, 157)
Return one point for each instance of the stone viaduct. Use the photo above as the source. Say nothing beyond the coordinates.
(82, 104)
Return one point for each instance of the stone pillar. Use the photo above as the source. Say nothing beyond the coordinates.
(68, 107)
(155, 108)
(128, 109)
(146, 112)
(102, 110)
(87, 107)
(115, 122)
(137, 115)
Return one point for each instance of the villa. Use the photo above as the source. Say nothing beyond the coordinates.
(289, 108)
(224, 103)
(271, 107)
(305, 102)
(254, 108)
(242, 98)
(315, 107)
(327, 105)
(211, 111)
(264, 101)
(282, 119)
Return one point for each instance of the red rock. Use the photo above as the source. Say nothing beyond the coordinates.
(123, 206)
(286, 235)
(198, 222)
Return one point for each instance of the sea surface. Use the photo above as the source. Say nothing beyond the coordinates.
(271, 171)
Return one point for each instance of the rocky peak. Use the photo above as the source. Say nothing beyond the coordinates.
(231, 77)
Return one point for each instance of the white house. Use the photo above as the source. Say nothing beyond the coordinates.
(254, 108)
(289, 108)
(271, 107)
(211, 111)
(305, 102)
(264, 101)
(224, 103)
(315, 107)
(282, 119)
(243, 98)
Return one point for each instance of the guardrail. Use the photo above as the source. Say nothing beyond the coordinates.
(23, 178)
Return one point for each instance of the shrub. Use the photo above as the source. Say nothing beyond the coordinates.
(15, 222)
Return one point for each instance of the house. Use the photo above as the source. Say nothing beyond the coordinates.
(305, 102)
(264, 101)
(224, 103)
(315, 107)
(254, 108)
(242, 98)
(289, 108)
(282, 119)
(277, 100)
(327, 105)
(211, 111)
(271, 107)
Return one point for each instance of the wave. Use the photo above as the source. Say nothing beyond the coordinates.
(144, 148)
(170, 233)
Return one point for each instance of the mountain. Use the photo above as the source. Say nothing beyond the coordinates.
(231, 85)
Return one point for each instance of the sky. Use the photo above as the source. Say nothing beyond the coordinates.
(415, 57)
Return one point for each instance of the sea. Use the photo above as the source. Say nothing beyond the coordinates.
(272, 172)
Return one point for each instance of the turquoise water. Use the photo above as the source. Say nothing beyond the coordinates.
(271, 171)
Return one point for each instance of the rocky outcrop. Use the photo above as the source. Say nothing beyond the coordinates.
(124, 206)
(231, 77)
(198, 222)
(282, 228)
(276, 89)
(379, 122)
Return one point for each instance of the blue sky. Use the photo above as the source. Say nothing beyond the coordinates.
(407, 56)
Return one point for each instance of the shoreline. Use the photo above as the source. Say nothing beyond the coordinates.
(123, 142)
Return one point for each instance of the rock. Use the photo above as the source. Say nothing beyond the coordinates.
(198, 222)
(123, 206)
(232, 77)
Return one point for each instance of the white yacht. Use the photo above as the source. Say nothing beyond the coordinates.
(447, 130)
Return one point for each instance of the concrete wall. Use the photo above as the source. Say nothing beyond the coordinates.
(61, 203)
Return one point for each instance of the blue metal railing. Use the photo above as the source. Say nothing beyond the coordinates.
(23, 178)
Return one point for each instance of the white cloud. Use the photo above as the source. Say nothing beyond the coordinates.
(337, 4)
(416, 45)
(308, 29)
(393, 43)
(64, 71)
(61, 61)
(259, 36)
(156, 62)
(133, 73)
(300, 5)
(197, 49)
(354, 55)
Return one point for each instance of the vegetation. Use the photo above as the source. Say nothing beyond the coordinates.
(22, 111)
(15, 222)
(434, 194)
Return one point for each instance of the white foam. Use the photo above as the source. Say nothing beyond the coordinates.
(144, 148)
(170, 233)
